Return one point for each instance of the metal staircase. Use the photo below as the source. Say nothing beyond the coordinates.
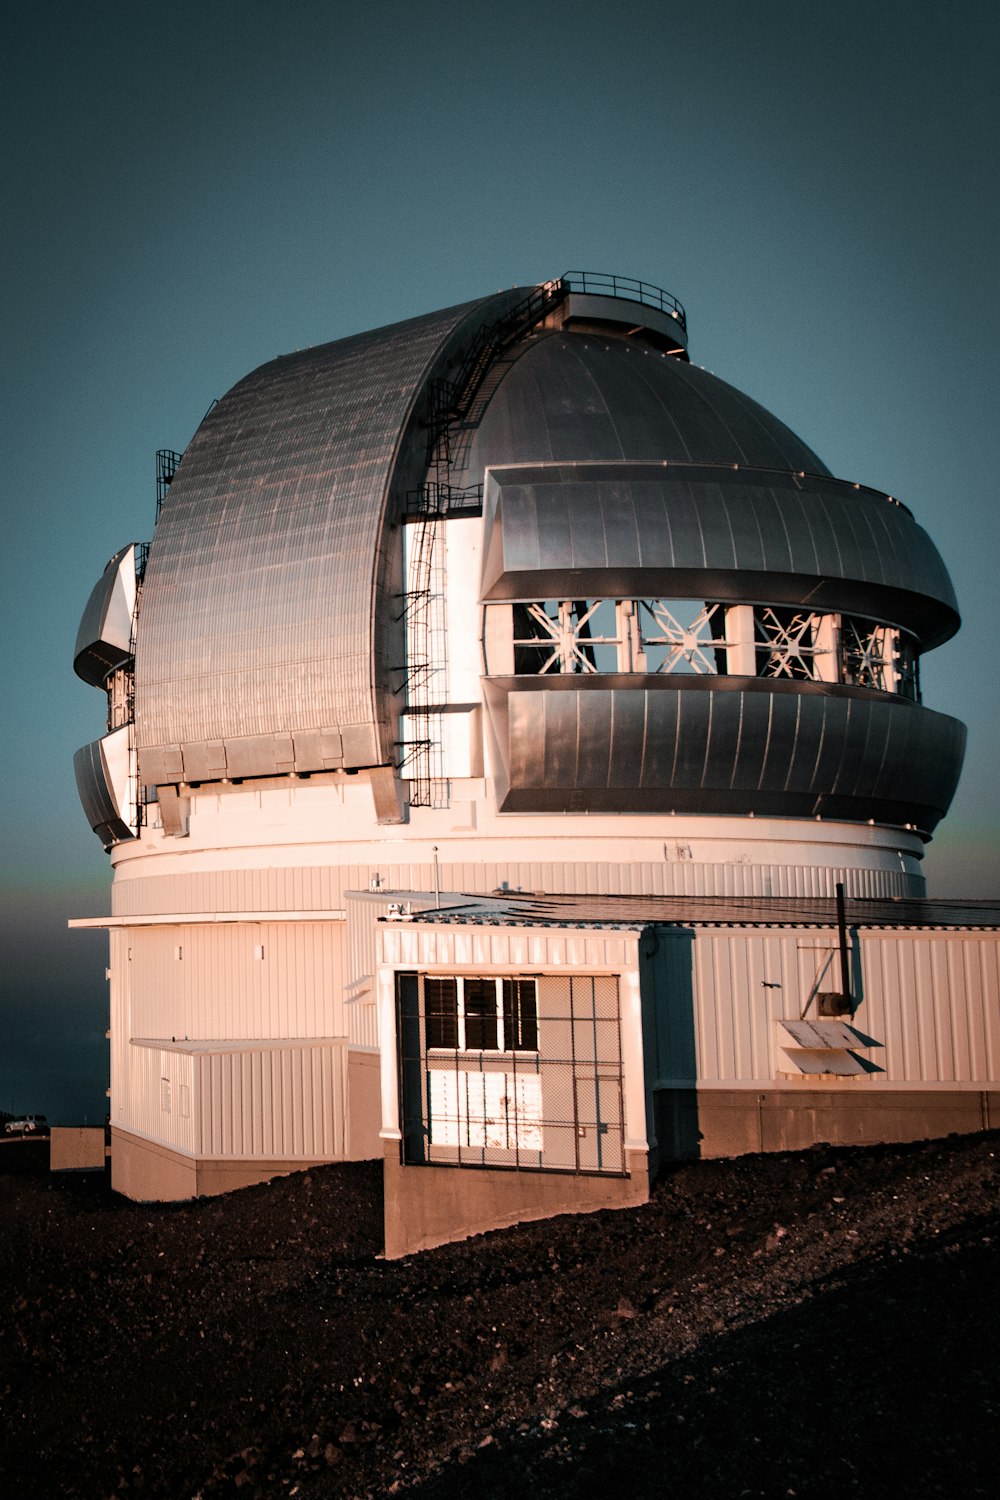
(450, 404)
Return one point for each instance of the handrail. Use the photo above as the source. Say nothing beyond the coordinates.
(627, 289)
(453, 399)
(493, 338)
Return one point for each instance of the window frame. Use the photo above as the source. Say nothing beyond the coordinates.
(504, 1017)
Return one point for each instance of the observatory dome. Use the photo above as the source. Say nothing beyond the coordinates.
(679, 608)
(509, 598)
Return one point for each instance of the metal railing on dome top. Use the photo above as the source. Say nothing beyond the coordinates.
(627, 288)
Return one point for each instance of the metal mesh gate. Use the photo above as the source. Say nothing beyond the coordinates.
(501, 1071)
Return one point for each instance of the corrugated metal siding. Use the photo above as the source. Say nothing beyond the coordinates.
(323, 887)
(932, 999)
(218, 988)
(120, 1023)
(525, 949)
(635, 526)
(721, 745)
(296, 888)
(257, 609)
(360, 965)
(177, 1125)
(282, 1102)
(937, 1002)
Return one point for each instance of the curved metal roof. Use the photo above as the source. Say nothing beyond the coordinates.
(576, 397)
(268, 639)
(712, 531)
(258, 609)
(104, 639)
(721, 745)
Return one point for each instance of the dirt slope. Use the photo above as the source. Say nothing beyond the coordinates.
(814, 1324)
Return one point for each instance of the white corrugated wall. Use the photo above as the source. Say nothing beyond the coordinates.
(237, 980)
(931, 998)
(322, 887)
(282, 1102)
(159, 1100)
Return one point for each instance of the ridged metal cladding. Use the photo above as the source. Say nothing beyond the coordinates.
(716, 532)
(94, 788)
(104, 639)
(260, 645)
(575, 397)
(268, 636)
(722, 746)
(614, 471)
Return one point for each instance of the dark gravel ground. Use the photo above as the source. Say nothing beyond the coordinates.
(816, 1324)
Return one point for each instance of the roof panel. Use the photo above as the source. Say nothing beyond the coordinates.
(257, 610)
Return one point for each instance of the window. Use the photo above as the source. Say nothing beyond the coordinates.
(681, 635)
(481, 1015)
(663, 637)
(566, 635)
(480, 1005)
(878, 656)
(520, 1015)
(787, 644)
(441, 1012)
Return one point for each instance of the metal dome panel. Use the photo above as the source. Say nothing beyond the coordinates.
(104, 639)
(105, 783)
(712, 532)
(774, 749)
(258, 609)
(572, 397)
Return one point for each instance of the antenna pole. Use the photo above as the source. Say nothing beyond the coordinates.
(845, 969)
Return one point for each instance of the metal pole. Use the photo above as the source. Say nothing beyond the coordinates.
(437, 878)
(845, 970)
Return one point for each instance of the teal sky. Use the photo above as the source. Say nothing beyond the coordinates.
(192, 188)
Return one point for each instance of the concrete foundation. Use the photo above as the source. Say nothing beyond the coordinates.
(150, 1173)
(364, 1105)
(735, 1122)
(427, 1206)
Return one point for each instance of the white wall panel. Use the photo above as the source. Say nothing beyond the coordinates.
(218, 988)
(119, 1022)
(286, 1102)
(932, 999)
(160, 1100)
(322, 887)
(405, 945)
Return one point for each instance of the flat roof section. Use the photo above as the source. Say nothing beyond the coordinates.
(512, 909)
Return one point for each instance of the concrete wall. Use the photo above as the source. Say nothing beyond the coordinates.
(427, 1206)
(735, 1122)
(151, 1173)
(77, 1148)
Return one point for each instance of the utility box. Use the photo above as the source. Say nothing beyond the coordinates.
(77, 1148)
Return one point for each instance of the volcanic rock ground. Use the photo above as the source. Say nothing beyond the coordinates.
(816, 1324)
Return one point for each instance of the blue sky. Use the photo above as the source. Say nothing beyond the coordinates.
(193, 188)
